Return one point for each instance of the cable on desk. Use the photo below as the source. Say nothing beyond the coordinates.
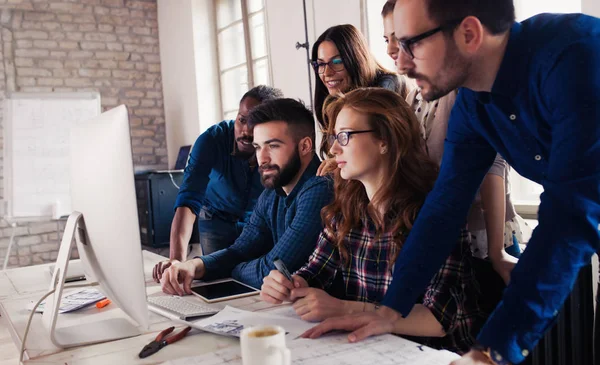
(173, 181)
(22, 351)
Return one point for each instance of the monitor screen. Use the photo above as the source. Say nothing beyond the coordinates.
(182, 157)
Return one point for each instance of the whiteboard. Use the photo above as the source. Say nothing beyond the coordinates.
(36, 150)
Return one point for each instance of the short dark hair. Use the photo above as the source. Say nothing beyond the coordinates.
(388, 8)
(496, 15)
(293, 112)
(262, 93)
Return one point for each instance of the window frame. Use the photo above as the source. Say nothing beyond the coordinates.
(249, 60)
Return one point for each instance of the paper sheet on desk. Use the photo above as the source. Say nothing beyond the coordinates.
(230, 322)
(380, 350)
(73, 301)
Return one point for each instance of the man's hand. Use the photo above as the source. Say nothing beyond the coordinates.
(177, 278)
(276, 288)
(159, 268)
(315, 305)
(362, 325)
(326, 167)
(473, 357)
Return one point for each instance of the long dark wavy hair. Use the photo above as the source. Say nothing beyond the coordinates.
(412, 173)
(363, 69)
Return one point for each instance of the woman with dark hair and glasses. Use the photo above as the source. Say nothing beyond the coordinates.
(383, 178)
(342, 62)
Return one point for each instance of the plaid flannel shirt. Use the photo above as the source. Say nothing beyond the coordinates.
(452, 295)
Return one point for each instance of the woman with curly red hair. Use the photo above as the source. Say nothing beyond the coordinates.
(381, 182)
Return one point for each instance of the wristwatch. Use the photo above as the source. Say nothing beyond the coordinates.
(493, 356)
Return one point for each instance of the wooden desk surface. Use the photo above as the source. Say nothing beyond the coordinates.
(20, 286)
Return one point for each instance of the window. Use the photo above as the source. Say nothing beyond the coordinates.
(242, 48)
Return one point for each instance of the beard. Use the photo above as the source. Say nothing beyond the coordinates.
(453, 74)
(283, 175)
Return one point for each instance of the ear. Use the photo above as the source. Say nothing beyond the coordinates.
(383, 148)
(305, 146)
(469, 35)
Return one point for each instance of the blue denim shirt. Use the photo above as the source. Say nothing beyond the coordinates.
(281, 226)
(543, 117)
(217, 180)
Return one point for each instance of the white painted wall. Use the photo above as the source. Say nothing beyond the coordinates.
(207, 67)
(286, 27)
(375, 33)
(591, 7)
(528, 8)
(189, 70)
(178, 74)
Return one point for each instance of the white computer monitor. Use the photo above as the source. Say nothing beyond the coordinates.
(105, 227)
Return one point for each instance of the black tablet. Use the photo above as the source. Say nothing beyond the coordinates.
(226, 289)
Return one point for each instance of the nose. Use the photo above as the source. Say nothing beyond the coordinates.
(328, 70)
(244, 130)
(262, 157)
(392, 50)
(403, 62)
(335, 148)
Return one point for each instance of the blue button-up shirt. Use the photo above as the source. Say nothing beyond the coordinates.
(214, 178)
(280, 226)
(543, 117)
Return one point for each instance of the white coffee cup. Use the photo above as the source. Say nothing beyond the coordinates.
(264, 345)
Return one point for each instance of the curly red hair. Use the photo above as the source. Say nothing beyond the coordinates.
(412, 172)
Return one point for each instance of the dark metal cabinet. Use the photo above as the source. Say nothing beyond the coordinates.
(156, 193)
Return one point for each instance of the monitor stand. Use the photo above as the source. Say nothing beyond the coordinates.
(87, 333)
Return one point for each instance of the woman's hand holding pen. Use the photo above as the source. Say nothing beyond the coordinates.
(277, 289)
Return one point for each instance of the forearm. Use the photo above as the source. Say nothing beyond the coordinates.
(420, 323)
(493, 200)
(200, 268)
(181, 231)
(352, 306)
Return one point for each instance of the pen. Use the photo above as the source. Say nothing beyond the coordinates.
(282, 269)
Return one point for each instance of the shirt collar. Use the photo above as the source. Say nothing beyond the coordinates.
(309, 172)
(512, 70)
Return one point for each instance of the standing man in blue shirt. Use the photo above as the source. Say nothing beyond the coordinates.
(531, 92)
(220, 185)
(286, 220)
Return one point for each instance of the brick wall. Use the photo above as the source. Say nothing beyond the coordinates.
(109, 46)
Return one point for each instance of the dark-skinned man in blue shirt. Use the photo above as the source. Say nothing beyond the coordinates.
(220, 186)
(531, 92)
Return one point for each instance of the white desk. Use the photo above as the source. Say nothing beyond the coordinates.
(19, 286)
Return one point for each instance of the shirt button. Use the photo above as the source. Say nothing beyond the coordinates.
(496, 357)
(525, 353)
(538, 157)
(512, 117)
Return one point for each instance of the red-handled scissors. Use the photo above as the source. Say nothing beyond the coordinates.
(161, 341)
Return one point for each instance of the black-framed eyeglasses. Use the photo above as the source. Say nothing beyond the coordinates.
(407, 44)
(335, 64)
(343, 137)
